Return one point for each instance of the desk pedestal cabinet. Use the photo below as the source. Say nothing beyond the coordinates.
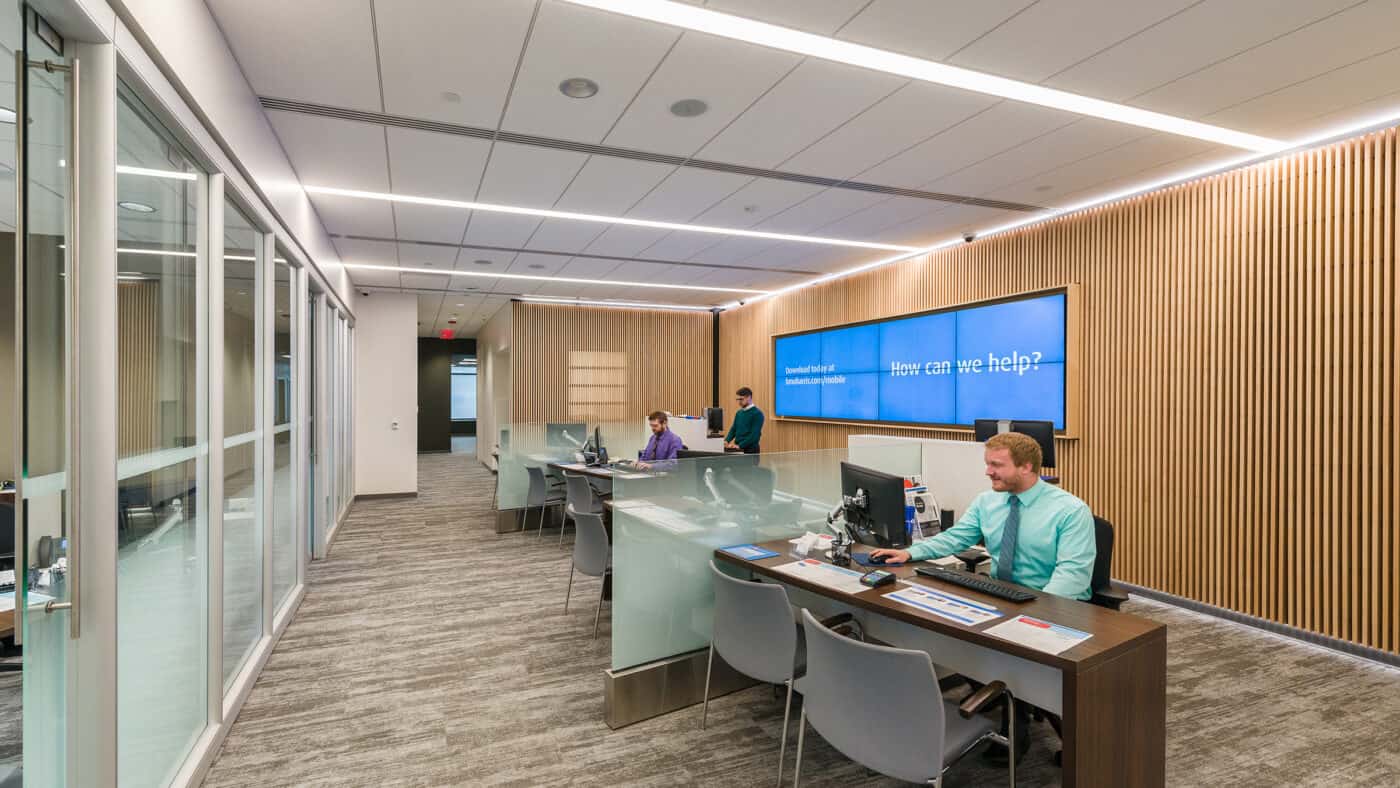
(1109, 690)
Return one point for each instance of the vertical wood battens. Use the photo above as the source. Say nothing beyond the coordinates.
(1239, 377)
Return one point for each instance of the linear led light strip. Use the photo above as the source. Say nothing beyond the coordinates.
(600, 219)
(123, 169)
(774, 37)
(486, 275)
(617, 304)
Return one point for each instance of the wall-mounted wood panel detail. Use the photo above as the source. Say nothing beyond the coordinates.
(1240, 378)
(573, 363)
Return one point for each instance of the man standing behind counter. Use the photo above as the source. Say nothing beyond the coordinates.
(747, 428)
(661, 450)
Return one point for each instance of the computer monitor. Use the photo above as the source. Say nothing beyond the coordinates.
(714, 420)
(565, 435)
(718, 464)
(880, 522)
(1043, 432)
(744, 485)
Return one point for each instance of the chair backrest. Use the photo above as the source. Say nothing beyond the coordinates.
(591, 548)
(879, 706)
(538, 490)
(1103, 559)
(580, 493)
(7, 528)
(754, 629)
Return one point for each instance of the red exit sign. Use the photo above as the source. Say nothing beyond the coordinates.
(446, 334)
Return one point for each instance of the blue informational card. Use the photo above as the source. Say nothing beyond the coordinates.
(748, 552)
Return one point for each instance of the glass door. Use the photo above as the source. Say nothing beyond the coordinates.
(38, 611)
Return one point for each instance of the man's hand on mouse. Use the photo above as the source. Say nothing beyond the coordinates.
(891, 556)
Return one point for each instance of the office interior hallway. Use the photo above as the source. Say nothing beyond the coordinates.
(431, 651)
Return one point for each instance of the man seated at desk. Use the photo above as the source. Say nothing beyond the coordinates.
(660, 453)
(1038, 535)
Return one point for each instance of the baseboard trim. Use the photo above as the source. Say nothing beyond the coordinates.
(1293, 633)
(381, 496)
(664, 686)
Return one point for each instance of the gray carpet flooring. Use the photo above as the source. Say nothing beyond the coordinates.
(413, 661)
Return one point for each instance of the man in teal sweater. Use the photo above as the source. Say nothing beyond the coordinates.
(748, 424)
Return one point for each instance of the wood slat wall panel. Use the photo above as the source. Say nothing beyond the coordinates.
(1240, 378)
(668, 362)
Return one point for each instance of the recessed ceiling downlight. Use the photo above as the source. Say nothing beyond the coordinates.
(482, 262)
(689, 108)
(138, 207)
(579, 87)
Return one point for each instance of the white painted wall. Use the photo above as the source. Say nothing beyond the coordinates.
(386, 391)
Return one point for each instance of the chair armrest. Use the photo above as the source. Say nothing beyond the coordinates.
(1109, 596)
(980, 699)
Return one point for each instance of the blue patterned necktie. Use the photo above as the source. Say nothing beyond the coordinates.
(1008, 539)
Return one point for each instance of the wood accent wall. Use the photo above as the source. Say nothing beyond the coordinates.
(1240, 378)
(625, 362)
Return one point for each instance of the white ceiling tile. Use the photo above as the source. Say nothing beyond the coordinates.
(429, 164)
(571, 41)
(760, 199)
(823, 17)
(528, 176)
(1288, 112)
(354, 250)
(1049, 37)
(680, 246)
(425, 281)
(1363, 114)
(322, 151)
(350, 216)
(686, 193)
(1198, 36)
(731, 250)
(727, 75)
(815, 98)
(430, 223)
(1042, 188)
(1335, 42)
(910, 115)
(633, 271)
(1059, 147)
(427, 255)
(931, 30)
(498, 229)
(611, 186)
(270, 40)
(429, 47)
(1000, 128)
(588, 268)
(537, 264)
(624, 241)
(374, 278)
(564, 235)
(822, 209)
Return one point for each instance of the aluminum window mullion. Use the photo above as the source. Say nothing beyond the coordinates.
(212, 267)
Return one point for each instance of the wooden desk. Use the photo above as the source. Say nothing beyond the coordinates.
(1111, 688)
(604, 472)
(7, 623)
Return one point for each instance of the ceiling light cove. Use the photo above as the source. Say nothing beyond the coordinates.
(403, 269)
(597, 218)
(738, 28)
(614, 304)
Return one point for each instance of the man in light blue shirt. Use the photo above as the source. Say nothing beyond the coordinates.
(1037, 534)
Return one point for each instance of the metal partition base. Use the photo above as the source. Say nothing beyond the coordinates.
(660, 687)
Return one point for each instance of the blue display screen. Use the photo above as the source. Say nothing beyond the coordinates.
(1000, 361)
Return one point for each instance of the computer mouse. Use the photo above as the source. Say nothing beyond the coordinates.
(877, 559)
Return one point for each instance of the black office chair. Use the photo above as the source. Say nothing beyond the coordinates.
(1105, 593)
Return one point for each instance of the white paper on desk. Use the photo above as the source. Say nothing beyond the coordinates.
(574, 466)
(634, 476)
(826, 575)
(941, 603)
(1038, 634)
(661, 517)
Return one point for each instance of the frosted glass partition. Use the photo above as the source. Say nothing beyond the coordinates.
(540, 443)
(666, 528)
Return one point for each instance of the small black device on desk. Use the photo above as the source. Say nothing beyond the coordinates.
(877, 578)
(997, 588)
(866, 559)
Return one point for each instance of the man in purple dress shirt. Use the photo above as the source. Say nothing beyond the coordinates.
(660, 452)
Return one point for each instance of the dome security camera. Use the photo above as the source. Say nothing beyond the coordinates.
(969, 236)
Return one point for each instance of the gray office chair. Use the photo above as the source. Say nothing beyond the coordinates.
(544, 493)
(882, 708)
(755, 632)
(581, 498)
(592, 557)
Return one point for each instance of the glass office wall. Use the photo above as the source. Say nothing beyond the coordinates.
(285, 554)
(162, 450)
(243, 263)
(313, 445)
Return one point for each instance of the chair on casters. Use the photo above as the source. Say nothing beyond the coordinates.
(544, 493)
(580, 499)
(592, 557)
(882, 708)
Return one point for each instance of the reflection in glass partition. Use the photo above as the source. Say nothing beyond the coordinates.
(666, 526)
(541, 444)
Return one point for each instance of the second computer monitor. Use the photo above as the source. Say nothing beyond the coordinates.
(1043, 432)
(564, 436)
(881, 522)
(714, 420)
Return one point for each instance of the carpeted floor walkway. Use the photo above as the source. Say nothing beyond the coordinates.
(412, 662)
